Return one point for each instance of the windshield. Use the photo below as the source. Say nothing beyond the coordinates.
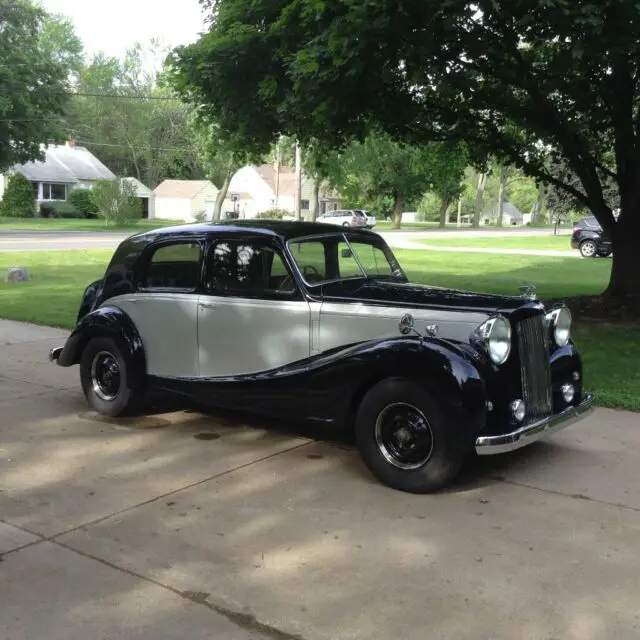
(343, 256)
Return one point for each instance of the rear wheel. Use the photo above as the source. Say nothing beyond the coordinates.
(106, 379)
(588, 249)
(346, 224)
(404, 439)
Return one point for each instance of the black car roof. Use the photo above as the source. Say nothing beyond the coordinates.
(284, 229)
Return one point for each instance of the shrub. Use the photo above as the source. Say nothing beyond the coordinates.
(59, 210)
(117, 202)
(82, 200)
(18, 200)
(274, 214)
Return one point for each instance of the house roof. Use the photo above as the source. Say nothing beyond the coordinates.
(286, 181)
(181, 188)
(142, 190)
(67, 164)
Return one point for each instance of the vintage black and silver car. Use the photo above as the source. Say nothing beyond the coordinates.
(310, 322)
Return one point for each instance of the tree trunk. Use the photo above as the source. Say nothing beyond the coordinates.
(315, 205)
(396, 216)
(503, 179)
(539, 207)
(625, 270)
(482, 181)
(444, 206)
(222, 194)
(459, 218)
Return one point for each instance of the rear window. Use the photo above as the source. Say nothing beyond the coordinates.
(173, 266)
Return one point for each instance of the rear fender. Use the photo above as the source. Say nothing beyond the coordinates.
(113, 323)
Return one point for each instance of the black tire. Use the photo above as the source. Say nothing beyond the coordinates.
(437, 454)
(346, 224)
(588, 249)
(106, 392)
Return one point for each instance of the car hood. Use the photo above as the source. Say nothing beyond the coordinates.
(408, 294)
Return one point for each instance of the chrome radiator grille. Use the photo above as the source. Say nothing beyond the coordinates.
(533, 346)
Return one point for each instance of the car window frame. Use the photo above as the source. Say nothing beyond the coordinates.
(210, 290)
(144, 260)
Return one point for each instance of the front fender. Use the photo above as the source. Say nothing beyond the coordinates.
(111, 322)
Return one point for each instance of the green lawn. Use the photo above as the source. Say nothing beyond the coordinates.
(64, 224)
(552, 243)
(611, 355)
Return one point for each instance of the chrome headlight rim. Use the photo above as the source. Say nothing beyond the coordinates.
(560, 322)
(488, 333)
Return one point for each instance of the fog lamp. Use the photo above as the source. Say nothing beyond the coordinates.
(518, 410)
(568, 392)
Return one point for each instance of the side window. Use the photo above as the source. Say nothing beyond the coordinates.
(347, 264)
(372, 259)
(248, 269)
(310, 258)
(173, 266)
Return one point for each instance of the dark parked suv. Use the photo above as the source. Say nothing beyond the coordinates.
(590, 239)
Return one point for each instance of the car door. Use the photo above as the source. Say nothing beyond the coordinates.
(164, 306)
(252, 317)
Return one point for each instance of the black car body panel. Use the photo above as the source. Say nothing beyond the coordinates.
(589, 229)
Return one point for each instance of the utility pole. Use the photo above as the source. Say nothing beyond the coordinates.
(297, 203)
(277, 168)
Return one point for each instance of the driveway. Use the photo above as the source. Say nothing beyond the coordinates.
(196, 525)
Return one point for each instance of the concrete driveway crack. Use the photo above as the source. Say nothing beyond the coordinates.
(245, 621)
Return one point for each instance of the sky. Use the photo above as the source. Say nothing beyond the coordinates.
(112, 26)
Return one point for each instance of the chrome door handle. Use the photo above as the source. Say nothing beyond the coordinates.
(207, 305)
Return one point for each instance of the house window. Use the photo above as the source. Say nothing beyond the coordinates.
(304, 205)
(54, 191)
(36, 190)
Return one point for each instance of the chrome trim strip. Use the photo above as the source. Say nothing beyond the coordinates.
(54, 354)
(490, 445)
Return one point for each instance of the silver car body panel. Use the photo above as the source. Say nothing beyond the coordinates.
(345, 323)
(239, 335)
(167, 324)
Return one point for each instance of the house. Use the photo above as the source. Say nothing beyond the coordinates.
(185, 200)
(146, 197)
(64, 168)
(256, 188)
(511, 216)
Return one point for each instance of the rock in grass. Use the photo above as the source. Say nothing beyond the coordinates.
(17, 274)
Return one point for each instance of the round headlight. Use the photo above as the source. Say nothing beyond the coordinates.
(561, 326)
(495, 333)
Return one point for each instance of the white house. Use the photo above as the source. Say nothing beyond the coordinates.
(146, 196)
(185, 200)
(64, 168)
(257, 188)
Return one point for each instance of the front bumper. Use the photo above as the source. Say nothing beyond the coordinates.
(490, 445)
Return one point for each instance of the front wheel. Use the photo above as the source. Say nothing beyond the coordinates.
(106, 379)
(404, 439)
(346, 224)
(588, 249)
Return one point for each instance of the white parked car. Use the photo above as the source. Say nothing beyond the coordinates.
(371, 220)
(344, 218)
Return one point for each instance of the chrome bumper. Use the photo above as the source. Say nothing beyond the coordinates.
(490, 445)
(54, 354)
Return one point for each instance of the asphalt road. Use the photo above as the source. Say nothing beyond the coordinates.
(48, 241)
(192, 525)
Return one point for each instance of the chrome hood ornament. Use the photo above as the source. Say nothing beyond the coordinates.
(529, 292)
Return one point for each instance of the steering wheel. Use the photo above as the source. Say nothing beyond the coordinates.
(310, 270)
(286, 284)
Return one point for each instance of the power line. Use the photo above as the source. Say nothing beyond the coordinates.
(126, 146)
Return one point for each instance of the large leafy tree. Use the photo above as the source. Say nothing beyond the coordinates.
(38, 55)
(520, 79)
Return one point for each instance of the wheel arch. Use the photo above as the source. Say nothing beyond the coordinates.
(437, 367)
(111, 322)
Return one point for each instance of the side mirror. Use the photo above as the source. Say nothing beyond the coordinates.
(346, 253)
